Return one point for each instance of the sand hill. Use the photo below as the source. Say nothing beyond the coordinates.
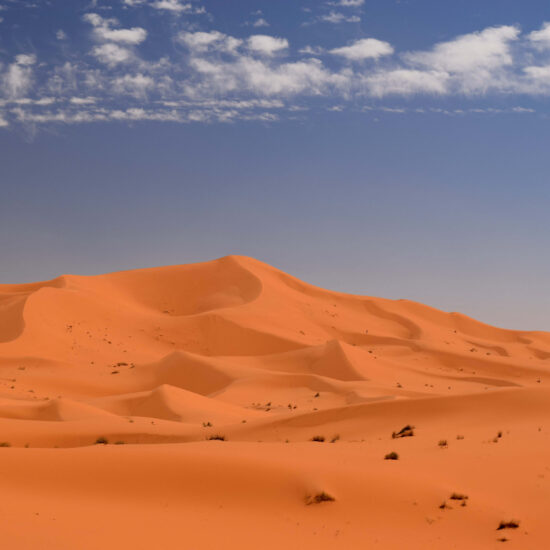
(177, 407)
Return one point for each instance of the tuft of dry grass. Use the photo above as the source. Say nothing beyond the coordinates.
(216, 437)
(101, 441)
(407, 431)
(319, 498)
(318, 438)
(392, 456)
(512, 524)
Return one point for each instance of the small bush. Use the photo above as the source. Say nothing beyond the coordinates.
(216, 437)
(458, 496)
(512, 524)
(207, 424)
(443, 443)
(407, 431)
(101, 441)
(318, 439)
(392, 456)
(319, 497)
(5, 444)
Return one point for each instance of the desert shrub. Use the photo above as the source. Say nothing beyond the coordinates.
(392, 456)
(216, 437)
(512, 524)
(320, 497)
(318, 438)
(407, 431)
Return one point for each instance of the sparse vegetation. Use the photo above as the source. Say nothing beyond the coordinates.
(101, 441)
(206, 424)
(392, 456)
(216, 437)
(335, 439)
(317, 394)
(443, 443)
(407, 431)
(319, 498)
(318, 438)
(458, 496)
(5, 444)
(512, 524)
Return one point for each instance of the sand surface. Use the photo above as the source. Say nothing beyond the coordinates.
(156, 362)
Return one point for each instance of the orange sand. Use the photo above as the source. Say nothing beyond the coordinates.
(151, 358)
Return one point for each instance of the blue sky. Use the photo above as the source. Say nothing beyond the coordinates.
(386, 148)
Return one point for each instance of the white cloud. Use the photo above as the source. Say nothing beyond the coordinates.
(257, 76)
(488, 49)
(83, 100)
(538, 79)
(200, 42)
(176, 6)
(135, 85)
(348, 3)
(112, 54)
(541, 38)
(267, 45)
(261, 22)
(477, 62)
(17, 79)
(337, 17)
(61, 35)
(311, 50)
(405, 82)
(366, 48)
(25, 60)
(132, 36)
(104, 33)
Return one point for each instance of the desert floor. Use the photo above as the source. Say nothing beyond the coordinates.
(177, 407)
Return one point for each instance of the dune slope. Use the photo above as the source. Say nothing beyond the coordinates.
(178, 406)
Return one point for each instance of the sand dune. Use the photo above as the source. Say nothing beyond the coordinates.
(167, 362)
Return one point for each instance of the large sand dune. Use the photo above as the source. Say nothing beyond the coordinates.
(158, 361)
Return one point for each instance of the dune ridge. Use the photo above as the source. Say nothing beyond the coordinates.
(167, 362)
